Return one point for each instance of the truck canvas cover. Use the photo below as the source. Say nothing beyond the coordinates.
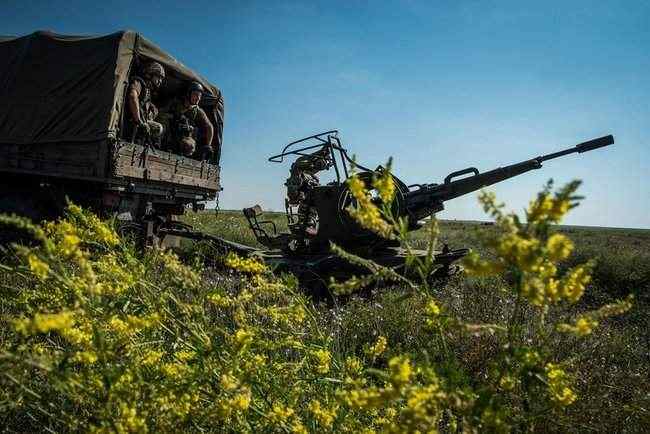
(57, 88)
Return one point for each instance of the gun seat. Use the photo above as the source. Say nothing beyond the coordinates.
(272, 240)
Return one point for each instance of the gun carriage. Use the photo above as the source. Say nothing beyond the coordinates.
(317, 214)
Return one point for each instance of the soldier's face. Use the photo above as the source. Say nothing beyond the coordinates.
(156, 80)
(195, 97)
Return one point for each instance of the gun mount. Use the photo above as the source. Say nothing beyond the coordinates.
(316, 214)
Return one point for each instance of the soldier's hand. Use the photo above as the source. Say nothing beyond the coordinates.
(144, 127)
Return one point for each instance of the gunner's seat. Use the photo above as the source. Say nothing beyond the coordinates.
(272, 240)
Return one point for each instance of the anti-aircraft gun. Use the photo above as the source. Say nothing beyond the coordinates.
(317, 214)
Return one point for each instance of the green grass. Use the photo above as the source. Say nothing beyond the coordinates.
(614, 380)
(611, 367)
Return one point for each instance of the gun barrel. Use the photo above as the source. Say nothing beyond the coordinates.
(587, 146)
(430, 198)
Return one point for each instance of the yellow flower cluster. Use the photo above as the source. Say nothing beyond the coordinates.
(558, 247)
(92, 227)
(323, 359)
(131, 323)
(400, 370)
(280, 414)
(385, 186)
(45, 322)
(129, 421)
(243, 338)
(586, 323)
(324, 416)
(38, 267)
(547, 209)
(524, 249)
(378, 347)
(135, 336)
(366, 213)
(244, 265)
(558, 385)
(85, 357)
(353, 366)
(151, 357)
(432, 313)
(220, 300)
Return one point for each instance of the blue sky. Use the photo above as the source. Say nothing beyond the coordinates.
(439, 86)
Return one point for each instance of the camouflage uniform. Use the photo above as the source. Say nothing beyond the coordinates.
(301, 182)
(185, 120)
(188, 119)
(148, 111)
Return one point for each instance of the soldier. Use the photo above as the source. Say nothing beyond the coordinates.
(300, 184)
(187, 116)
(143, 111)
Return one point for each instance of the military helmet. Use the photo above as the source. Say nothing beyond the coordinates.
(195, 86)
(154, 68)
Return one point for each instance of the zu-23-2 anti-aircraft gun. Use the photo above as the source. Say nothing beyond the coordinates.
(316, 214)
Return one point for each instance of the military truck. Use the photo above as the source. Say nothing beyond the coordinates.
(63, 120)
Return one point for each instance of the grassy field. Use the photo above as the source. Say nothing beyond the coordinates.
(96, 336)
(615, 362)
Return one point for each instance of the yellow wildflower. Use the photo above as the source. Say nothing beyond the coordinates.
(243, 338)
(323, 359)
(353, 365)
(324, 416)
(385, 186)
(129, 420)
(85, 357)
(228, 382)
(242, 400)
(558, 385)
(220, 300)
(151, 357)
(45, 322)
(279, 414)
(475, 266)
(378, 348)
(400, 370)
(583, 326)
(80, 335)
(539, 209)
(38, 267)
(560, 208)
(119, 326)
(573, 284)
(297, 427)
(69, 244)
(507, 382)
(432, 313)
(244, 265)
(559, 247)
(366, 213)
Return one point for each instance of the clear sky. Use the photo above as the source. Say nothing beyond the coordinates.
(438, 85)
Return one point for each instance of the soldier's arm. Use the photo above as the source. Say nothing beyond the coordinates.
(134, 92)
(206, 126)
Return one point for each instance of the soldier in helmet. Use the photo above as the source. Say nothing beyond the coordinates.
(190, 121)
(302, 180)
(142, 110)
